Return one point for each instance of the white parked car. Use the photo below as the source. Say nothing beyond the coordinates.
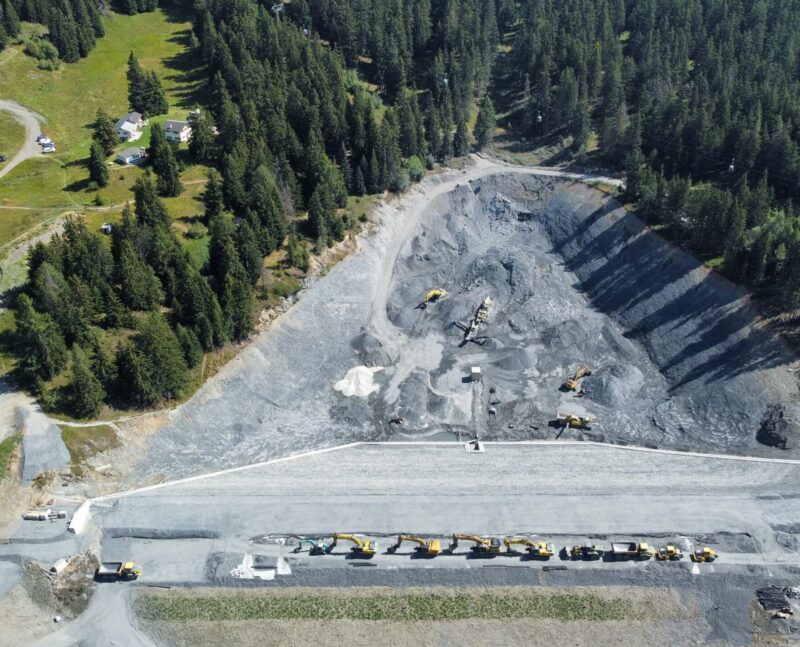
(49, 148)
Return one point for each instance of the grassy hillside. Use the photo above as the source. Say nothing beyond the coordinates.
(11, 136)
(69, 99)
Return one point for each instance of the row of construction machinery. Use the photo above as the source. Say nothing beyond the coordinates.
(489, 546)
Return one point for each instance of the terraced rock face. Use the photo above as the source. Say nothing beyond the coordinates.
(676, 357)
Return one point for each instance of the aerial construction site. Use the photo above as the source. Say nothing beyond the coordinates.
(512, 383)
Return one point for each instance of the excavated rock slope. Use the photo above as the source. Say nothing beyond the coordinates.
(678, 358)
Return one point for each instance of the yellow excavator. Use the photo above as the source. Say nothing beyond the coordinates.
(433, 296)
(365, 547)
(571, 383)
(427, 547)
(670, 553)
(705, 554)
(576, 422)
(483, 545)
(539, 549)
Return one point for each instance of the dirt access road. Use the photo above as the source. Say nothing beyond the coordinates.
(32, 122)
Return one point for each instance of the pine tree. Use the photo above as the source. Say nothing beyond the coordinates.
(241, 309)
(135, 75)
(317, 218)
(150, 211)
(461, 138)
(103, 366)
(145, 93)
(484, 127)
(202, 142)
(164, 357)
(134, 381)
(213, 196)
(192, 351)
(140, 288)
(86, 391)
(41, 346)
(104, 133)
(359, 185)
(98, 170)
(165, 165)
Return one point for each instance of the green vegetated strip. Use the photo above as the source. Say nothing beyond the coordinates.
(12, 134)
(403, 607)
(6, 449)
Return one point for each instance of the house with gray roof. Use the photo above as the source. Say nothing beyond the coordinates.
(177, 131)
(131, 156)
(129, 128)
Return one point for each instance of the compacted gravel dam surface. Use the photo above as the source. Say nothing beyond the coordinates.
(677, 357)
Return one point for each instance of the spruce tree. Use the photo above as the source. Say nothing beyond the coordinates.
(86, 391)
(317, 218)
(213, 196)
(241, 305)
(134, 381)
(98, 170)
(461, 138)
(104, 133)
(202, 142)
(165, 165)
(484, 127)
(157, 344)
(41, 346)
(192, 351)
(140, 288)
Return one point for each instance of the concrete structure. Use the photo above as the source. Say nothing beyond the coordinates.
(177, 131)
(131, 156)
(129, 127)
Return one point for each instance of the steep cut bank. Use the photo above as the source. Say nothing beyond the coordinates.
(573, 280)
(678, 357)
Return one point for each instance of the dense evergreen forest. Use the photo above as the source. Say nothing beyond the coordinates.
(697, 100)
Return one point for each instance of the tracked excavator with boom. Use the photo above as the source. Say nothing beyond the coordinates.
(539, 549)
(571, 383)
(576, 422)
(316, 546)
(427, 547)
(483, 545)
(433, 296)
(362, 547)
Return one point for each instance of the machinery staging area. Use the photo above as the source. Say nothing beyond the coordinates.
(620, 391)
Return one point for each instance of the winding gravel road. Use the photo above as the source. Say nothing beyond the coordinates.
(32, 121)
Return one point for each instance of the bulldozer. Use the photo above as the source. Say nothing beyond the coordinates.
(316, 546)
(587, 551)
(576, 422)
(432, 296)
(705, 554)
(426, 547)
(362, 547)
(669, 553)
(483, 545)
(539, 549)
(571, 383)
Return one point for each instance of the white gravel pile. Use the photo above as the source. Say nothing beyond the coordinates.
(359, 381)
